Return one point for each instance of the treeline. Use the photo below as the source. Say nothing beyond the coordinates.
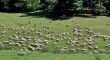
(58, 7)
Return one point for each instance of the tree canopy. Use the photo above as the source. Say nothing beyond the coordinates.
(58, 7)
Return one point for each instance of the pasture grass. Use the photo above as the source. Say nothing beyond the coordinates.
(13, 55)
(100, 24)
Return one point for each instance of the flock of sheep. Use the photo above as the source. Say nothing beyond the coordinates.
(80, 40)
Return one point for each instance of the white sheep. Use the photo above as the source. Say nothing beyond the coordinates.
(31, 48)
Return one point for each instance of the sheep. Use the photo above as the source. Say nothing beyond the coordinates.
(95, 52)
(18, 44)
(72, 50)
(57, 40)
(89, 30)
(90, 47)
(52, 38)
(72, 42)
(40, 34)
(16, 37)
(38, 48)
(1, 45)
(85, 50)
(46, 41)
(77, 30)
(23, 39)
(68, 38)
(58, 35)
(3, 36)
(31, 48)
(64, 50)
(65, 38)
(101, 50)
(28, 37)
(6, 42)
(63, 33)
(3, 32)
(12, 43)
(2, 25)
(105, 37)
(96, 35)
(35, 37)
(96, 47)
(35, 44)
(32, 29)
(25, 49)
(89, 40)
(49, 27)
(108, 45)
(21, 42)
(17, 32)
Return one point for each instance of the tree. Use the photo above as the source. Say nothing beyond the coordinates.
(17, 5)
(24, 5)
(106, 3)
(61, 7)
(1, 6)
(78, 6)
(98, 8)
(33, 5)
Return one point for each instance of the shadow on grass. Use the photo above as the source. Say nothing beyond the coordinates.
(41, 13)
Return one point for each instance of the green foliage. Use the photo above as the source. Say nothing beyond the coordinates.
(77, 5)
(99, 8)
(58, 7)
(33, 5)
(20, 4)
(29, 5)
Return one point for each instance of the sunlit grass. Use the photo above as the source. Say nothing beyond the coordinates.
(100, 24)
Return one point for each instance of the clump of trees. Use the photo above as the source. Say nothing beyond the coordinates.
(20, 5)
(58, 7)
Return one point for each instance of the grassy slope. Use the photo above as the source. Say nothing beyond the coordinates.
(12, 55)
(99, 24)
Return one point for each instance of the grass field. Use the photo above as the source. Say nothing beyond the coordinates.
(12, 55)
(99, 24)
